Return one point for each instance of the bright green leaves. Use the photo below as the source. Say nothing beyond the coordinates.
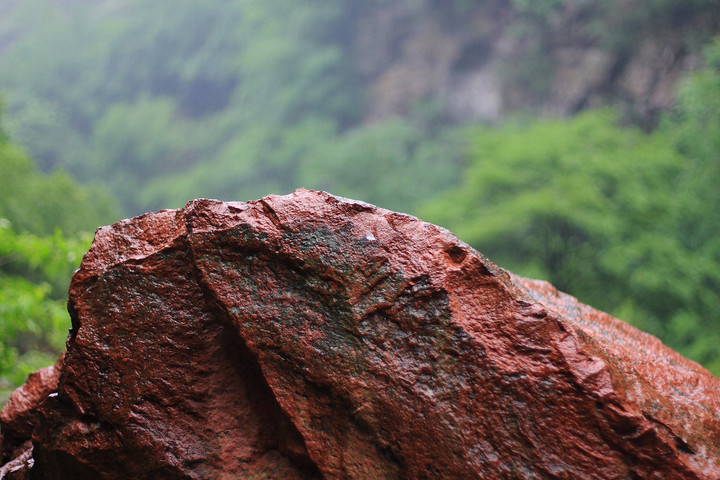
(37, 259)
(391, 164)
(35, 273)
(597, 209)
(40, 203)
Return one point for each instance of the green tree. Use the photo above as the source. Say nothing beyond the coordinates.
(34, 275)
(694, 128)
(134, 143)
(37, 259)
(109, 93)
(40, 203)
(394, 164)
(594, 208)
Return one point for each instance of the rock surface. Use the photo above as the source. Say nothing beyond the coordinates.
(309, 336)
(18, 420)
(479, 61)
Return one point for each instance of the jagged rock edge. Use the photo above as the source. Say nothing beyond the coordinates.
(509, 282)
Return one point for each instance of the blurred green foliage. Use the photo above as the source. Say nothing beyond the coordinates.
(626, 221)
(41, 203)
(37, 259)
(34, 276)
(113, 94)
(393, 164)
(232, 98)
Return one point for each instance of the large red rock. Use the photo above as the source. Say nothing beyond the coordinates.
(308, 336)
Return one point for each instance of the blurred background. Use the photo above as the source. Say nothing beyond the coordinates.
(574, 141)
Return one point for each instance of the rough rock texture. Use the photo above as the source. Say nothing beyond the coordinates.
(18, 420)
(308, 336)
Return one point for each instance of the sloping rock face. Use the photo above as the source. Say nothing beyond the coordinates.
(309, 336)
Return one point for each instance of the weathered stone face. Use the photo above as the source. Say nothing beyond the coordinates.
(18, 420)
(308, 336)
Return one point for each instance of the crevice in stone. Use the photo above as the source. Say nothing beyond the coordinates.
(287, 438)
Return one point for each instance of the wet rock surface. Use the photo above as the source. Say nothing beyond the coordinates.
(17, 419)
(309, 336)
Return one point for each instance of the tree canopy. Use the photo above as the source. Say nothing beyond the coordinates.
(45, 220)
(617, 217)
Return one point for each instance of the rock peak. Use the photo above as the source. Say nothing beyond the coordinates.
(312, 336)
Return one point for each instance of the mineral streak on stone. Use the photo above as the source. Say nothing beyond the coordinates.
(309, 336)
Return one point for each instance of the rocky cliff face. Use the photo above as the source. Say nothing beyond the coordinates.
(483, 60)
(309, 336)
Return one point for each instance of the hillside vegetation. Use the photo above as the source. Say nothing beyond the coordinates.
(46, 222)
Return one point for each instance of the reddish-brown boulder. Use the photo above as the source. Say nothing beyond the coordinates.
(18, 419)
(308, 336)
